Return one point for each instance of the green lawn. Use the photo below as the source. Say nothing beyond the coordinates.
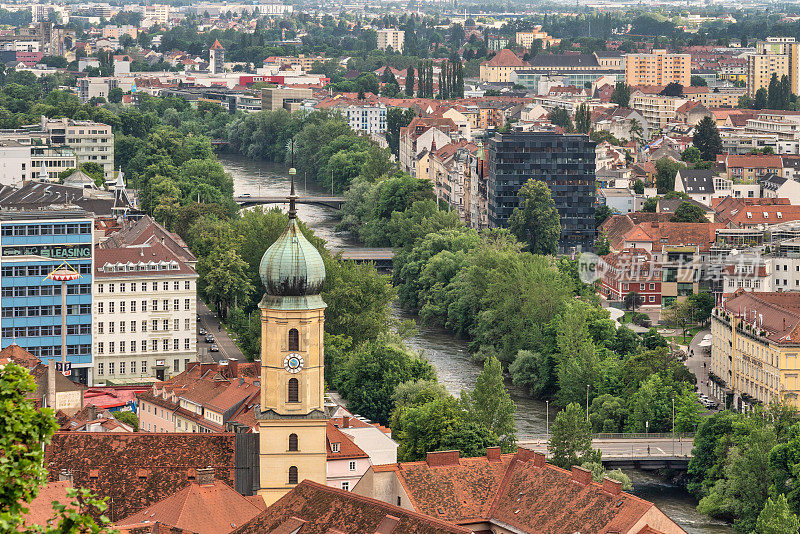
(690, 333)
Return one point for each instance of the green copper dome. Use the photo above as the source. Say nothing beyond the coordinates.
(291, 269)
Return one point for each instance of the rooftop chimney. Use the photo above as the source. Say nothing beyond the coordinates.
(612, 486)
(538, 459)
(493, 454)
(92, 412)
(205, 477)
(233, 365)
(65, 474)
(581, 476)
(345, 421)
(442, 458)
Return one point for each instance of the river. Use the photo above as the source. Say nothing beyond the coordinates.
(447, 353)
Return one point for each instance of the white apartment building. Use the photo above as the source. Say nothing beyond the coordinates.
(21, 161)
(393, 38)
(91, 141)
(145, 304)
(156, 13)
(15, 163)
(47, 162)
(657, 110)
(369, 118)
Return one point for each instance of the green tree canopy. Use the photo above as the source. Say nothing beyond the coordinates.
(536, 220)
(571, 438)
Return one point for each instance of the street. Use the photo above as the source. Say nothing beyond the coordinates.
(699, 362)
(628, 448)
(227, 347)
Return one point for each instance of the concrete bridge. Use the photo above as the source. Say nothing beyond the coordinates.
(245, 201)
(635, 452)
(381, 257)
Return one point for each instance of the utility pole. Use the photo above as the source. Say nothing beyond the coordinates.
(587, 403)
(673, 426)
(547, 420)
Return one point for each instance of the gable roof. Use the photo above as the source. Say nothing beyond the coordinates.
(348, 450)
(204, 508)
(776, 313)
(40, 509)
(313, 508)
(505, 58)
(138, 469)
(15, 353)
(697, 180)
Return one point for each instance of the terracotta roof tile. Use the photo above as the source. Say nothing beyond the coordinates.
(112, 464)
(40, 509)
(347, 447)
(505, 58)
(320, 509)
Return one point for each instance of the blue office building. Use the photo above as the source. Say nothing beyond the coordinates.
(33, 244)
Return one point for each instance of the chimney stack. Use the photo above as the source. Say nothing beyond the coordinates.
(613, 487)
(205, 477)
(493, 454)
(345, 421)
(581, 476)
(51, 384)
(442, 458)
(65, 474)
(539, 459)
(92, 412)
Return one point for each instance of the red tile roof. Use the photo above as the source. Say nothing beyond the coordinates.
(317, 509)
(217, 45)
(40, 509)
(15, 353)
(750, 161)
(505, 58)
(138, 469)
(348, 450)
(738, 213)
(214, 508)
(140, 255)
(778, 314)
(671, 234)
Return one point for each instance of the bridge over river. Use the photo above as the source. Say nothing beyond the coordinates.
(247, 200)
(647, 453)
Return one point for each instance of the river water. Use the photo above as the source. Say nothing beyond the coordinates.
(447, 353)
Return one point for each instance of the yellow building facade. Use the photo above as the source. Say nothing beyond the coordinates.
(658, 68)
(754, 355)
(291, 418)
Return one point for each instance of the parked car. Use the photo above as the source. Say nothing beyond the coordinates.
(198, 317)
(202, 332)
(209, 338)
(214, 348)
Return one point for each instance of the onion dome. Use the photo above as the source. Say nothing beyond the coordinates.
(292, 269)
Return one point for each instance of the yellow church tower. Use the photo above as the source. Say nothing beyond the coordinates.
(292, 420)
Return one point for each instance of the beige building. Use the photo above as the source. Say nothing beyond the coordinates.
(393, 38)
(291, 419)
(499, 68)
(755, 347)
(92, 142)
(726, 98)
(526, 38)
(145, 300)
(274, 98)
(657, 110)
(658, 68)
(761, 67)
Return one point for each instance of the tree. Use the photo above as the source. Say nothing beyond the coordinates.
(536, 47)
(650, 205)
(409, 83)
(225, 278)
(679, 315)
(560, 117)
(115, 95)
(621, 95)
(95, 171)
(666, 169)
(571, 438)
(632, 300)
(490, 406)
(635, 130)
(129, 418)
(396, 118)
(698, 81)
(688, 212)
(703, 304)
(602, 213)
(372, 373)
(638, 187)
(672, 89)
(583, 119)
(534, 371)
(707, 140)
(536, 220)
(777, 518)
(24, 430)
(599, 473)
(760, 101)
(691, 155)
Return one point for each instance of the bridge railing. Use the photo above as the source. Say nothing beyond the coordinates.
(626, 435)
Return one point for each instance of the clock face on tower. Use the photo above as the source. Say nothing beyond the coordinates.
(293, 363)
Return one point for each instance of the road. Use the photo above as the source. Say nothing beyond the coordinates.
(629, 448)
(699, 362)
(227, 348)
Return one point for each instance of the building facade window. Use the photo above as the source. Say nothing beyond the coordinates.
(294, 339)
(293, 475)
(293, 442)
(294, 390)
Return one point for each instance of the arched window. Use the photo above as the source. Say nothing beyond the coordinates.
(292, 442)
(294, 390)
(294, 339)
(293, 475)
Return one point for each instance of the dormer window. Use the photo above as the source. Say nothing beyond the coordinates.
(334, 447)
(749, 215)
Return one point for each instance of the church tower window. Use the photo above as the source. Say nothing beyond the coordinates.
(294, 339)
(294, 390)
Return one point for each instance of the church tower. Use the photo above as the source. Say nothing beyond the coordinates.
(291, 419)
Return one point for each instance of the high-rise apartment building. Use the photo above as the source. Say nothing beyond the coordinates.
(658, 68)
(566, 163)
(774, 56)
(393, 38)
(32, 245)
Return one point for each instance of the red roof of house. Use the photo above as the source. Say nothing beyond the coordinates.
(672, 234)
(313, 508)
(751, 161)
(217, 45)
(15, 353)
(208, 508)
(348, 450)
(138, 469)
(505, 58)
(40, 509)
(738, 212)
(778, 314)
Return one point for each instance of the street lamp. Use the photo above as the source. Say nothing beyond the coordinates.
(673, 426)
(63, 273)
